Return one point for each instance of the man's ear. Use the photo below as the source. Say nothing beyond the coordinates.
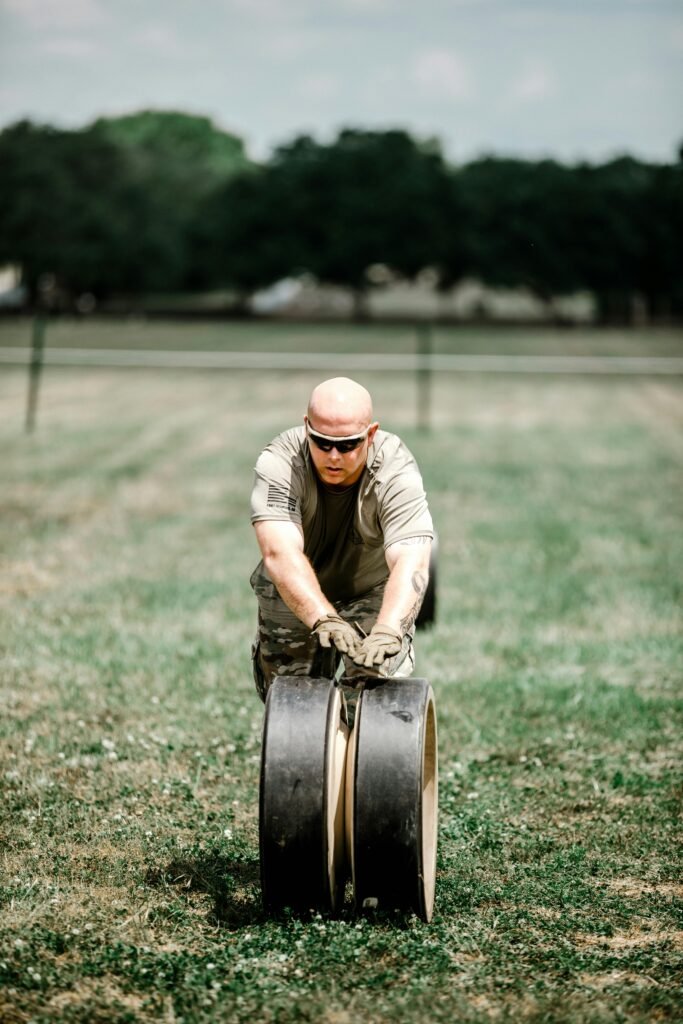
(372, 431)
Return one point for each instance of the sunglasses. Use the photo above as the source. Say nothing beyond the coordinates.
(344, 445)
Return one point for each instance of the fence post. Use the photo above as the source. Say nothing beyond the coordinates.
(36, 365)
(424, 377)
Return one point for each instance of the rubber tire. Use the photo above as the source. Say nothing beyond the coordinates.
(301, 796)
(392, 820)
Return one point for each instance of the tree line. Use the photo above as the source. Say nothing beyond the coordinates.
(167, 202)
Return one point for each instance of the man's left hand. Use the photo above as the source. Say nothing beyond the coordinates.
(383, 642)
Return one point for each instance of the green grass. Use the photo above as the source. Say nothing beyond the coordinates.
(284, 336)
(130, 739)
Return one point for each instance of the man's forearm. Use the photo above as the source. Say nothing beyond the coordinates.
(297, 585)
(404, 592)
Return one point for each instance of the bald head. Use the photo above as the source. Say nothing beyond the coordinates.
(340, 407)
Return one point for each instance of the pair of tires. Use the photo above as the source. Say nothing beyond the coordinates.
(334, 804)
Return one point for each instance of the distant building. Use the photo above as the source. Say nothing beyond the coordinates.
(468, 300)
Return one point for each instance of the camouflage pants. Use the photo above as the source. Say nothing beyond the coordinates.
(285, 646)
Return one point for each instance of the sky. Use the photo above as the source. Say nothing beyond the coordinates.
(580, 80)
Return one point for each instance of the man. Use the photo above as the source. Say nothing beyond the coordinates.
(342, 522)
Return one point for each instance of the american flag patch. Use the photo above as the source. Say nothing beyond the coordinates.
(278, 497)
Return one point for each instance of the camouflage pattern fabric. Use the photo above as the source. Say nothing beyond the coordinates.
(285, 646)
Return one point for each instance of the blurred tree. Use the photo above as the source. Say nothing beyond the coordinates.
(63, 206)
(241, 235)
(112, 207)
(187, 149)
(176, 160)
(368, 198)
(519, 224)
(334, 211)
(614, 229)
(606, 235)
(660, 257)
(162, 201)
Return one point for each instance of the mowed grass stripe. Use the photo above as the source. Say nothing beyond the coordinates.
(343, 362)
(273, 336)
(131, 735)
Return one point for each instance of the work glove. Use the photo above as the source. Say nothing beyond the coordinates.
(383, 642)
(333, 630)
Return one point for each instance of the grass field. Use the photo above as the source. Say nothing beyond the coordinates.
(131, 729)
(342, 337)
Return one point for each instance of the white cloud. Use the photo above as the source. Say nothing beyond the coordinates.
(535, 83)
(161, 40)
(675, 37)
(71, 48)
(288, 44)
(441, 75)
(268, 9)
(366, 5)
(322, 86)
(63, 14)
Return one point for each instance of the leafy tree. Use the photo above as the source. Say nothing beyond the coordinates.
(62, 206)
(659, 270)
(370, 197)
(334, 210)
(161, 201)
(112, 207)
(176, 160)
(183, 148)
(519, 219)
(606, 239)
(240, 234)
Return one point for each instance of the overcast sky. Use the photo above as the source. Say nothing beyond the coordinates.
(575, 80)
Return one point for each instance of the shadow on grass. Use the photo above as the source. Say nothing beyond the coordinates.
(232, 883)
(234, 886)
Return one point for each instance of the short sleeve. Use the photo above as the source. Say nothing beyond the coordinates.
(276, 493)
(403, 509)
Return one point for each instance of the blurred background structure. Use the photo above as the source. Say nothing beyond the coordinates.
(354, 159)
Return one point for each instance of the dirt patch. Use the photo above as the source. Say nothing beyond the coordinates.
(616, 978)
(11, 1014)
(100, 994)
(467, 957)
(24, 578)
(546, 913)
(634, 939)
(337, 1017)
(483, 1005)
(635, 888)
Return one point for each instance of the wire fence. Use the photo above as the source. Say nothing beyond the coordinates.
(423, 363)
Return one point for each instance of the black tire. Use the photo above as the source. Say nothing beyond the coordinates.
(392, 820)
(301, 796)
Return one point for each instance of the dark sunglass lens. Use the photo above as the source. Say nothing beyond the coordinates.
(324, 446)
(344, 447)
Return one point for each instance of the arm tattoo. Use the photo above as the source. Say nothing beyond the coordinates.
(419, 581)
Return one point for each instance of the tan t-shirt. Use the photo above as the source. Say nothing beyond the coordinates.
(345, 532)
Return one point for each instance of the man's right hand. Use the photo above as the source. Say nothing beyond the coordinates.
(333, 630)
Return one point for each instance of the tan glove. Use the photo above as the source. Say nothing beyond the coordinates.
(383, 642)
(333, 630)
